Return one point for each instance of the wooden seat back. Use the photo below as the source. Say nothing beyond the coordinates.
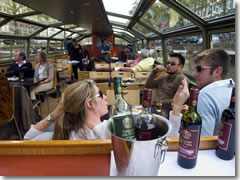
(55, 158)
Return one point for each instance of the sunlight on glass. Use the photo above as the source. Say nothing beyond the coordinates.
(10, 7)
(43, 19)
(210, 9)
(125, 7)
(118, 19)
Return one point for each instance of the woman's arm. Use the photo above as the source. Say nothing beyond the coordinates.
(41, 126)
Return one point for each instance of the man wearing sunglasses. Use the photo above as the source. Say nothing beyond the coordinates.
(167, 84)
(215, 92)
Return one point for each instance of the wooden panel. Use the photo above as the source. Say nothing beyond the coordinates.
(103, 87)
(83, 75)
(121, 74)
(131, 96)
(206, 142)
(66, 73)
(101, 66)
(98, 75)
(56, 147)
(55, 165)
(141, 75)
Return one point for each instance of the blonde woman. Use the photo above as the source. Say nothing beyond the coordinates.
(43, 70)
(76, 117)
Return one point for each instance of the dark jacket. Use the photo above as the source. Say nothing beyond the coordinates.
(14, 70)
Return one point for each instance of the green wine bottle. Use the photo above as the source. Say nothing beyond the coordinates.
(123, 124)
(190, 131)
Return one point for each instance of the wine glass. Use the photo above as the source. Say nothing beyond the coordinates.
(21, 75)
(158, 107)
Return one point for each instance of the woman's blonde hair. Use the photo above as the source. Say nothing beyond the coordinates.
(74, 113)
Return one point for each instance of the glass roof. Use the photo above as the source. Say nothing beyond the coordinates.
(125, 7)
(163, 18)
(210, 9)
(43, 19)
(12, 8)
(144, 30)
(48, 32)
(118, 19)
(123, 31)
(69, 26)
(18, 28)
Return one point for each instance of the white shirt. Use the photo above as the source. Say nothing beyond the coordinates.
(98, 132)
(40, 71)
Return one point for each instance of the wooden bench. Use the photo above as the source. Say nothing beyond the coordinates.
(55, 158)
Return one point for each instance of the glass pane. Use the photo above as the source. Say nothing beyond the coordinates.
(123, 31)
(18, 28)
(120, 41)
(227, 42)
(43, 19)
(78, 29)
(86, 41)
(75, 35)
(163, 18)
(48, 32)
(67, 33)
(139, 45)
(10, 7)
(144, 30)
(188, 46)
(60, 35)
(210, 9)
(37, 44)
(118, 19)
(125, 7)
(55, 47)
(5, 49)
(69, 26)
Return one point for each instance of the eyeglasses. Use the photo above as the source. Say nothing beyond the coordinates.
(100, 94)
(201, 68)
(171, 63)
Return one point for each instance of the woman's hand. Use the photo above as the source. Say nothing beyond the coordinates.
(180, 97)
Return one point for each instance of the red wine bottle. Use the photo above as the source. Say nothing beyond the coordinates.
(145, 121)
(226, 138)
(190, 131)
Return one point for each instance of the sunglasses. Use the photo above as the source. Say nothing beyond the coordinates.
(100, 94)
(201, 68)
(171, 63)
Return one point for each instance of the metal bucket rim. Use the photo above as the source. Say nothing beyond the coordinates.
(165, 120)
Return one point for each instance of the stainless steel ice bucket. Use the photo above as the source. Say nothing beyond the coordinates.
(140, 158)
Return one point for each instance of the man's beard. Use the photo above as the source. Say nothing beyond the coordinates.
(171, 73)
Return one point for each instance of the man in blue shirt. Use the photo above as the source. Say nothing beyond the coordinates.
(215, 91)
(105, 50)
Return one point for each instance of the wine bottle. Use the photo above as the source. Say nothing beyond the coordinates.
(145, 121)
(226, 138)
(123, 124)
(190, 131)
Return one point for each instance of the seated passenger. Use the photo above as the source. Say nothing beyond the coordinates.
(82, 107)
(105, 51)
(167, 84)
(43, 70)
(21, 65)
(215, 91)
(145, 63)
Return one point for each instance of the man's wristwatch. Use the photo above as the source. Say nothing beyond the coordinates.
(50, 117)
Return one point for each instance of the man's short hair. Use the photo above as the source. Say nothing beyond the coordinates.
(103, 40)
(23, 54)
(214, 58)
(179, 56)
(74, 40)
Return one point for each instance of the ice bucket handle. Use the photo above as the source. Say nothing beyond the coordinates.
(161, 148)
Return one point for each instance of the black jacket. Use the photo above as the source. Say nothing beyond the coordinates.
(14, 70)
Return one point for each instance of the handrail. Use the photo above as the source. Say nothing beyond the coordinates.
(56, 147)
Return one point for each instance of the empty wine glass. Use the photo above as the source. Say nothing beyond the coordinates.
(21, 75)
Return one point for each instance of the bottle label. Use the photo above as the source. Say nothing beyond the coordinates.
(123, 127)
(188, 143)
(224, 135)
